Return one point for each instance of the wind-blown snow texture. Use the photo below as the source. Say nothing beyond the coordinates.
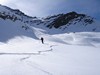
(74, 50)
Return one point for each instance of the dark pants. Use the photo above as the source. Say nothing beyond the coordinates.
(42, 41)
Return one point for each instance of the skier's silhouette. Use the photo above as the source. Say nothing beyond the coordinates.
(42, 40)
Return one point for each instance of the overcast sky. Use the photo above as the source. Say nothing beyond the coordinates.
(42, 8)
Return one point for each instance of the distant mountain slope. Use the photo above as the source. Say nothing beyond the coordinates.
(69, 18)
(13, 23)
(71, 22)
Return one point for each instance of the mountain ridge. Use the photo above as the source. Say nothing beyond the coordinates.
(56, 24)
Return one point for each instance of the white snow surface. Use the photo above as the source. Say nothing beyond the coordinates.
(61, 54)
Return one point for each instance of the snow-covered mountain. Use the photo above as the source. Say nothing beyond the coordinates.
(61, 23)
(16, 23)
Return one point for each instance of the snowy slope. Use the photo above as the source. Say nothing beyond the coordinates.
(13, 23)
(68, 54)
(9, 30)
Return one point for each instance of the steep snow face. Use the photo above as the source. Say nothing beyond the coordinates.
(15, 14)
(9, 30)
(14, 23)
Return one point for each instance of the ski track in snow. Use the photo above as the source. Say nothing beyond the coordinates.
(33, 64)
(38, 53)
(37, 66)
